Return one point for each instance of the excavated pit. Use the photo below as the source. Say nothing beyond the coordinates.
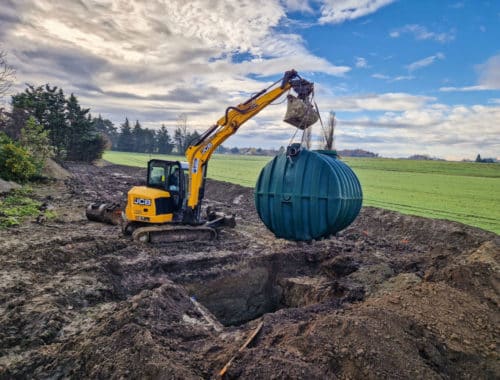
(264, 286)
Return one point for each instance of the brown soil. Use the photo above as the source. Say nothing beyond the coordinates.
(393, 296)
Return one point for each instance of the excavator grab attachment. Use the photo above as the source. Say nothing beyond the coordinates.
(300, 113)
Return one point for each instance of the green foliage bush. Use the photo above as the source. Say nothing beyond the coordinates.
(17, 205)
(16, 164)
(88, 148)
(36, 141)
(4, 139)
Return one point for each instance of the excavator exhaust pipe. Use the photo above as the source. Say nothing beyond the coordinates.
(109, 213)
(300, 113)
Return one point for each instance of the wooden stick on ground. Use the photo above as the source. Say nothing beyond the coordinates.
(248, 341)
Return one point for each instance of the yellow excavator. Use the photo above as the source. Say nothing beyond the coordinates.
(168, 208)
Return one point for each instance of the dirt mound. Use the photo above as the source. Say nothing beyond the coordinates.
(392, 296)
(7, 186)
(55, 171)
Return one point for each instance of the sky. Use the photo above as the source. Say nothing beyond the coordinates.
(403, 77)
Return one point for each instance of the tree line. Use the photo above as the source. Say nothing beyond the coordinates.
(43, 122)
(71, 131)
(146, 140)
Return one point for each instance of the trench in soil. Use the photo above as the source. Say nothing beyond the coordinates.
(263, 286)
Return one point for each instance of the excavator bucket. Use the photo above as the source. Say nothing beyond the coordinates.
(109, 213)
(217, 219)
(300, 113)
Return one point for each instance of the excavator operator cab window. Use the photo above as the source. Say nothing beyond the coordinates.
(156, 176)
(164, 175)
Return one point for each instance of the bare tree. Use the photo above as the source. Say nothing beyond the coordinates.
(306, 138)
(181, 133)
(329, 133)
(182, 123)
(7, 74)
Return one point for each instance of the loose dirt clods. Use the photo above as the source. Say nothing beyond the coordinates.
(393, 296)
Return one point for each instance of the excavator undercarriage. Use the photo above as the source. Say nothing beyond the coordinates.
(178, 232)
(112, 213)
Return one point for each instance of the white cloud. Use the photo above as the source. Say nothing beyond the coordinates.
(458, 5)
(421, 33)
(380, 76)
(452, 132)
(463, 89)
(489, 72)
(154, 59)
(376, 102)
(338, 11)
(488, 77)
(402, 77)
(298, 5)
(424, 62)
(392, 79)
(361, 63)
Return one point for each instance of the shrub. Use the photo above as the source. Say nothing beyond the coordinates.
(16, 206)
(89, 148)
(35, 140)
(16, 164)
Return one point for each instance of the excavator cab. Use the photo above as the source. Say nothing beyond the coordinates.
(170, 176)
(164, 196)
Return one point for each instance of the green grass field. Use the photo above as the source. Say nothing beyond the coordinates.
(464, 192)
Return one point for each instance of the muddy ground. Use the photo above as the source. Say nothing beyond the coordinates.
(393, 296)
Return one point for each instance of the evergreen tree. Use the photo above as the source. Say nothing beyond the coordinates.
(191, 139)
(149, 140)
(164, 144)
(55, 120)
(107, 128)
(80, 129)
(125, 142)
(181, 134)
(71, 132)
(36, 142)
(138, 138)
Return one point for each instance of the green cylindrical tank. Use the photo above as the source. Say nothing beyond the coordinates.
(304, 195)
